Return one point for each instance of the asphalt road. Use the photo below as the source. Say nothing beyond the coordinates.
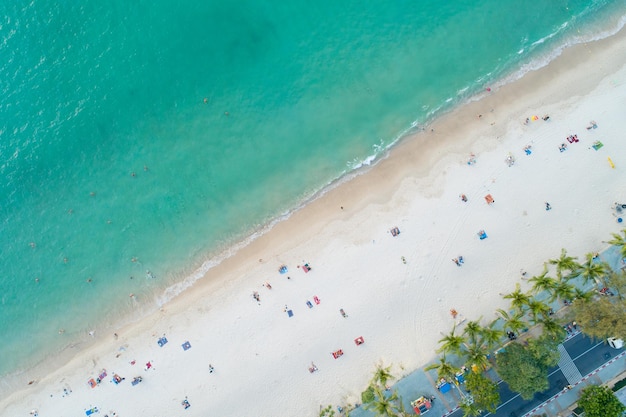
(587, 355)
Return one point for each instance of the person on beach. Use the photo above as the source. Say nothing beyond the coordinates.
(548, 206)
(463, 198)
(211, 369)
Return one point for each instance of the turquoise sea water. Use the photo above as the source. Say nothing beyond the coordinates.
(140, 136)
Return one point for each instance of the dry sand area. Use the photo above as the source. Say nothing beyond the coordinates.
(261, 356)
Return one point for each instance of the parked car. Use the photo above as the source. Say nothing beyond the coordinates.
(615, 343)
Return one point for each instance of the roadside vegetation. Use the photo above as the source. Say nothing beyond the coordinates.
(590, 296)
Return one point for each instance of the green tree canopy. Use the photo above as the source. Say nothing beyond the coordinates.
(617, 282)
(601, 318)
(600, 402)
(484, 390)
(522, 371)
(545, 349)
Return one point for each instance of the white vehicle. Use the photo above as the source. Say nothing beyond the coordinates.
(615, 343)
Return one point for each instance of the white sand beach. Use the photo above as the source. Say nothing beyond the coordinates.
(261, 355)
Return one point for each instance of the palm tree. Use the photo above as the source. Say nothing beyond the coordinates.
(514, 321)
(491, 335)
(381, 376)
(582, 295)
(478, 354)
(518, 298)
(538, 310)
(563, 290)
(451, 343)
(445, 369)
(472, 329)
(565, 263)
(591, 270)
(620, 242)
(551, 327)
(542, 282)
(383, 405)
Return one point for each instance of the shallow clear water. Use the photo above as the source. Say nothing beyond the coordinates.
(148, 136)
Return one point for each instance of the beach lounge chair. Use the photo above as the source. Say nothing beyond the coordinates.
(316, 299)
(186, 345)
(91, 411)
(309, 304)
(117, 379)
(359, 341)
(185, 404)
(283, 269)
(136, 380)
(338, 354)
(103, 374)
(489, 199)
(395, 231)
(482, 234)
(162, 341)
(306, 268)
(597, 145)
(290, 313)
(92, 383)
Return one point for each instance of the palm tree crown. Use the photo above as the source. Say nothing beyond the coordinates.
(538, 310)
(565, 263)
(619, 241)
(591, 270)
(451, 343)
(472, 329)
(518, 298)
(542, 282)
(445, 369)
(513, 321)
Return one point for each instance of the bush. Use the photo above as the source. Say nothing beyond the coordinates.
(619, 385)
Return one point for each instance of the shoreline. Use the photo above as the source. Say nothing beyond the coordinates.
(403, 166)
